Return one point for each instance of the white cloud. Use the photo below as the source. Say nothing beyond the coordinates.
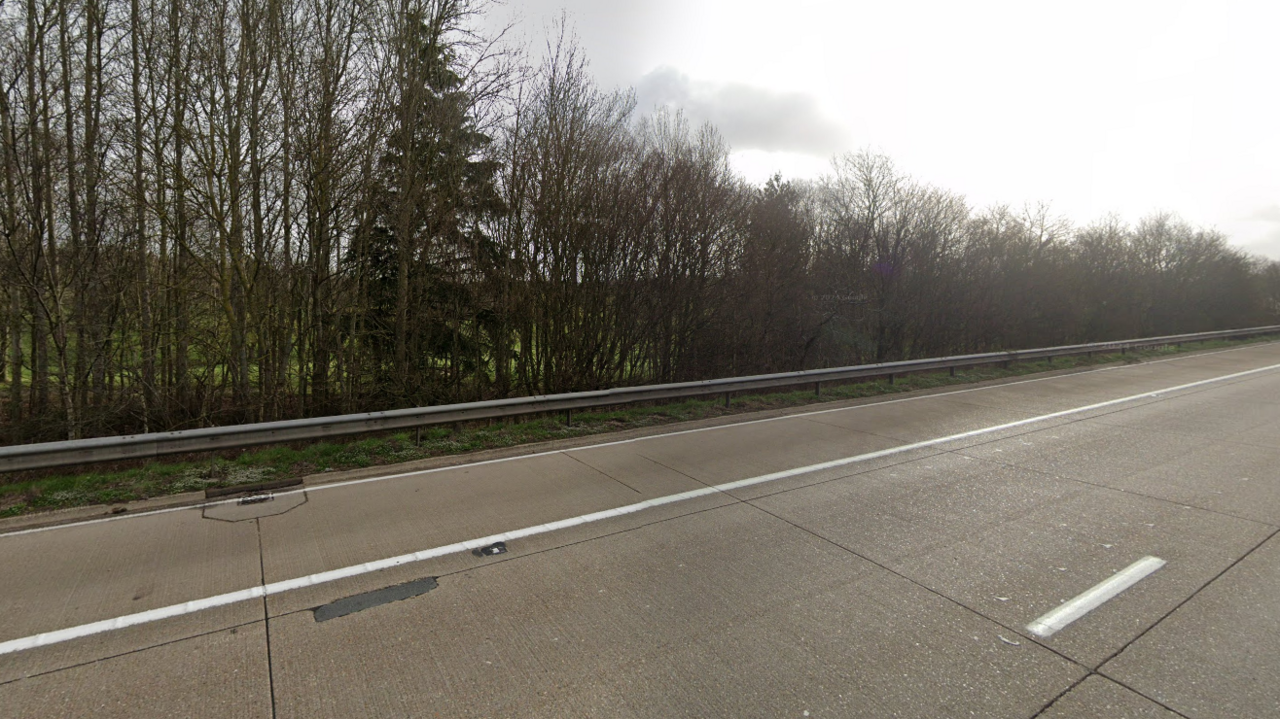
(749, 117)
(1270, 213)
(757, 166)
(1094, 106)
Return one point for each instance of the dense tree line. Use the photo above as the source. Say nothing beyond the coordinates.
(240, 210)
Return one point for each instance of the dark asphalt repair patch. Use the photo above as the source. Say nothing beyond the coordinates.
(386, 595)
(492, 549)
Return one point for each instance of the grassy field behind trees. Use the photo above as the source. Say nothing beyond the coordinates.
(241, 210)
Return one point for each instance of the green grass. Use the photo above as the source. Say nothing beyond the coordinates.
(33, 492)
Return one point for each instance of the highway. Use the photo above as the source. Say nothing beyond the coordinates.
(1088, 544)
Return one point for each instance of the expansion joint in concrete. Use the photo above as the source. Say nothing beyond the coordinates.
(266, 619)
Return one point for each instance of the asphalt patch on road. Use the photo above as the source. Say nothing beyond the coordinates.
(386, 595)
(491, 550)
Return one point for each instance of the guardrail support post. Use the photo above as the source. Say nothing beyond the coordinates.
(953, 371)
(726, 400)
(568, 418)
(1121, 350)
(817, 389)
(890, 378)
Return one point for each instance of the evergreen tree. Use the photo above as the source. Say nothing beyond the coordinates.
(427, 250)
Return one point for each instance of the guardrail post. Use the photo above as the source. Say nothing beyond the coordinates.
(726, 400)
(817, 389)
(568, 418)
(953, 370)
(890, 378)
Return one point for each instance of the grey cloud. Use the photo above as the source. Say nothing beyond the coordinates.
(748, 117)
(1267, 245)
(1270, 213)
(1259, 231)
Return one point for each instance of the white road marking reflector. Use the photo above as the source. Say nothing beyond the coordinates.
(1069, 612)
(129, 620)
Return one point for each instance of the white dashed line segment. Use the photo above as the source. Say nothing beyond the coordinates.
(1072, 610)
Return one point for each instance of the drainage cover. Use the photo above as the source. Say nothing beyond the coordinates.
(492, 549)
(386, 595)
(254, 506)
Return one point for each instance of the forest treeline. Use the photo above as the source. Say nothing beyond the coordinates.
(242, 210)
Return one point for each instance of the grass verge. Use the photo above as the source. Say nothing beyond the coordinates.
(54, 489)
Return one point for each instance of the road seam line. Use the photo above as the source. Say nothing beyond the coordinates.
(263, 590)
(266, 617)
(593, 468)
(127, 652)
(1181, 604)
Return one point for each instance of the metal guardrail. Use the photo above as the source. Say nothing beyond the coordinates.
(142, 446)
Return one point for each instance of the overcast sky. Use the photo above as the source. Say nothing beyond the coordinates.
(1095, 107)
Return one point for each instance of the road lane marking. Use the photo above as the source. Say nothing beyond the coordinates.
(417, 472)
(1072, 610)
(129, 620)
(62, 635)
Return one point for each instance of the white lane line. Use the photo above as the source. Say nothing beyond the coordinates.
(417, 472)
(129, 620)
(1069, 612)
(62, 635)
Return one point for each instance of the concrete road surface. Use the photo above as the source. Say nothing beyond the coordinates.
(1095, 544)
